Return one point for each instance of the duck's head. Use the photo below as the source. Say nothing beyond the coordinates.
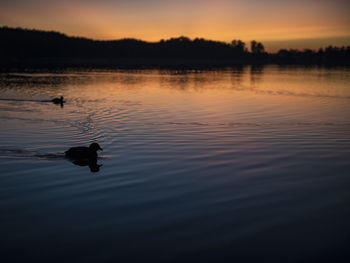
(95, 147)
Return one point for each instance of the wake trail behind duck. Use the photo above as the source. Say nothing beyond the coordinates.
(22, 153)
(24, 100)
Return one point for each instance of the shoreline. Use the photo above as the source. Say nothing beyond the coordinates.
(9, 64)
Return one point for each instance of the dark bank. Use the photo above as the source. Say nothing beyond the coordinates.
(21, 48)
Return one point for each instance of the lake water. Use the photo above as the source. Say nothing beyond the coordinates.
(245, 164)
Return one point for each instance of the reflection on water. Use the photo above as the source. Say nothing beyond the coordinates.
(92, 163)
(241, 164)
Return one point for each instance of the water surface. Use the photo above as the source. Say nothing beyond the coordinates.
(243, 164)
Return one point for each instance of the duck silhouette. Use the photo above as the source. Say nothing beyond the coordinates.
(83, 153)
(58, 101)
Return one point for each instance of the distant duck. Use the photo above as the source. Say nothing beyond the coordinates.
(83, 153)
(58, 100)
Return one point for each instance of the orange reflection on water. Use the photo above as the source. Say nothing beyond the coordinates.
(244, 95)
(240, 94)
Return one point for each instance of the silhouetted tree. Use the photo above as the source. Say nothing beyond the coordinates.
(257, 47)
(238, 45)
(260, 48)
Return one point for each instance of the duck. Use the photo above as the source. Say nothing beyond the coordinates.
(58, 100)
(83, 153)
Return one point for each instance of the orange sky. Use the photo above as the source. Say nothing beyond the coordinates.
(276, 23)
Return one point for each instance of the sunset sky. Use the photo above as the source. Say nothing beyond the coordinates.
(276, 23)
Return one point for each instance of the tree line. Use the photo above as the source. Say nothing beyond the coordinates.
(33, 44)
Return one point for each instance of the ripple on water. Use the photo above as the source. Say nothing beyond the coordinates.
(195, 163)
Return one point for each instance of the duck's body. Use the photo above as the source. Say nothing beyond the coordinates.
(83, 153)
(58, 100)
